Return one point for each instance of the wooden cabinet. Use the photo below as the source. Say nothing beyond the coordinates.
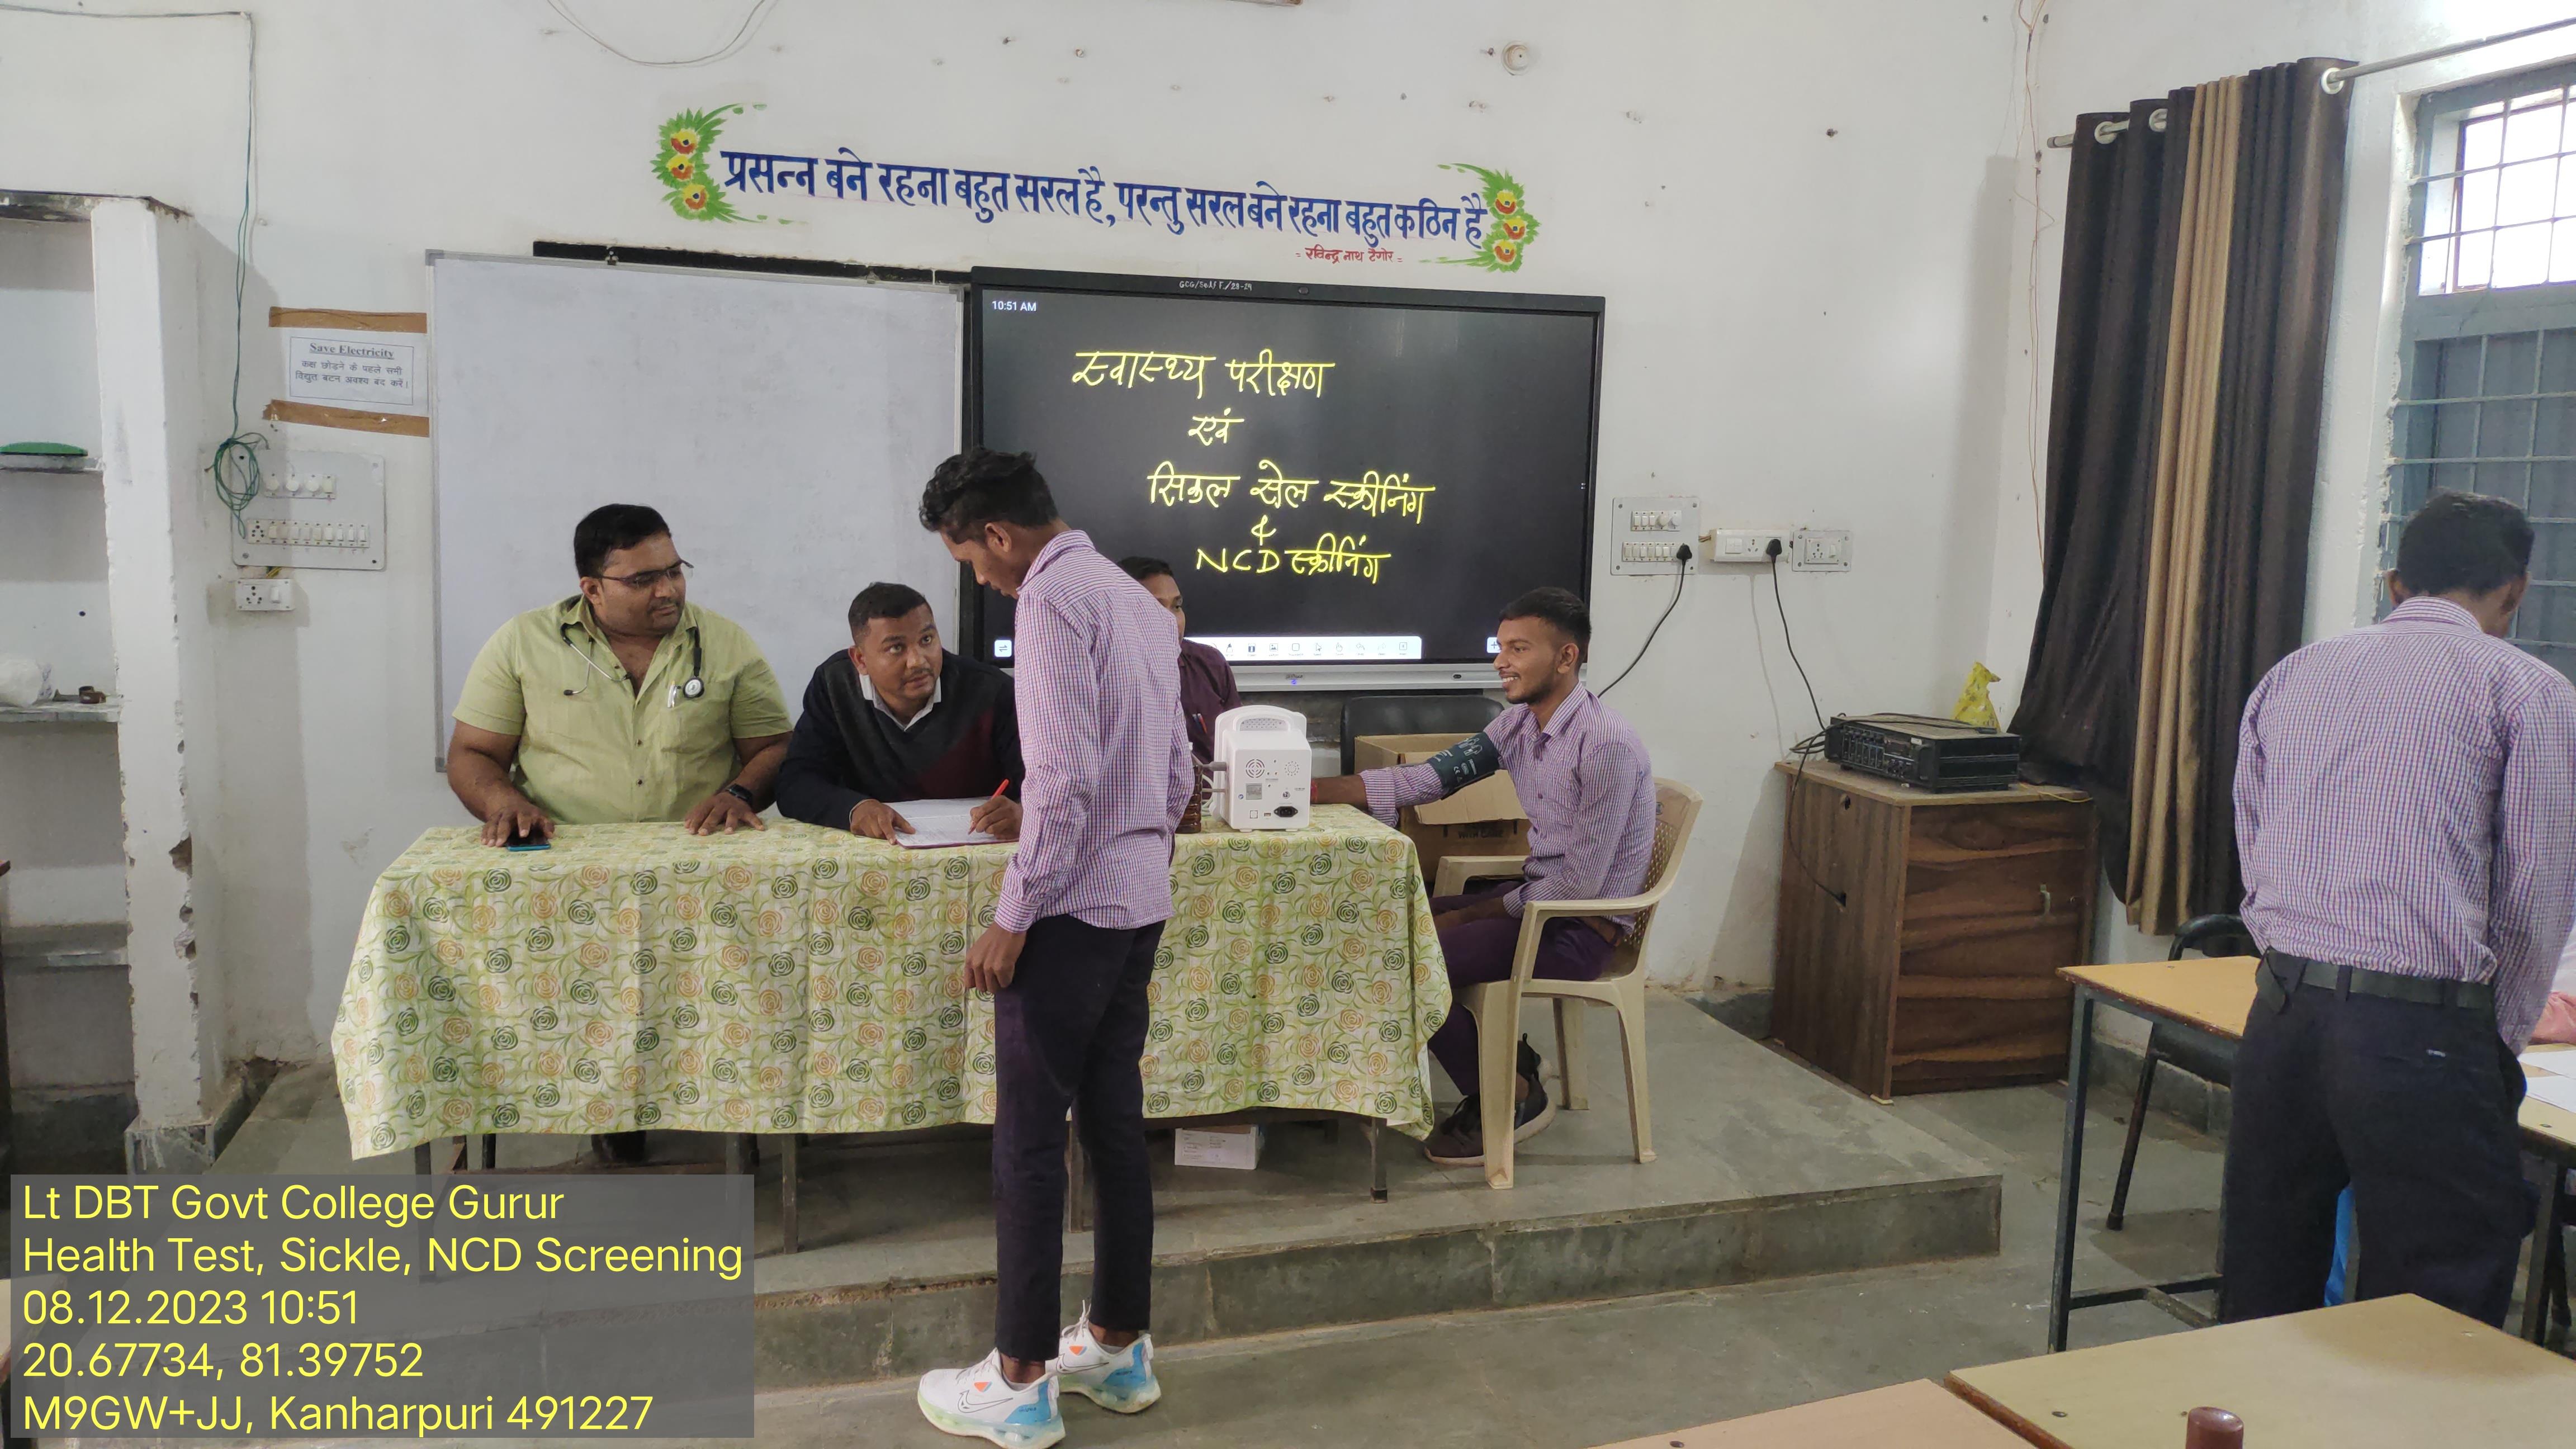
(1920, 934)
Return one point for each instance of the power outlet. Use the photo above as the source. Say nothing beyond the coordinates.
(1744, 546)
(1821, 550)
(264, 596)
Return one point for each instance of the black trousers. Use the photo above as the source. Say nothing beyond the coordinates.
(2413, 1105)
(1070, 1031)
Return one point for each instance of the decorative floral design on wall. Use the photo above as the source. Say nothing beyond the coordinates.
(1509, 226)
(688, 140)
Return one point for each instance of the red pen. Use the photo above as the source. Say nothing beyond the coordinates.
(997, 792)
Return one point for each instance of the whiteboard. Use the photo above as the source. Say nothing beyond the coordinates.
(783, 425)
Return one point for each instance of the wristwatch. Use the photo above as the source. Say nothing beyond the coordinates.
(743, 795)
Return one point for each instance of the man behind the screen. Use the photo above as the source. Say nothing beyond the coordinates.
(1070, 950)
(1207, 681)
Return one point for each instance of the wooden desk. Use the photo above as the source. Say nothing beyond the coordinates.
(2548, 1133)
(2543, 1120)
(2392, 1373)
(2213, 994)
(2214, 997)
(2211, 997)
(1919, 1415)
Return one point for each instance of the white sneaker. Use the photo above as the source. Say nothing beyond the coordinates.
(979, 1403)
(1120, 1380)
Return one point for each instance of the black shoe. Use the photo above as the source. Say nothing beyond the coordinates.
(1529, 1064)
(1460, 1141)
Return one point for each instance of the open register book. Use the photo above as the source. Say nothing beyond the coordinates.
(937, 823)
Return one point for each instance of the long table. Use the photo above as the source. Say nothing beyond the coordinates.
(1917, 1415)
(2389, 1373)
(2392, 1373)
(797, 979)
(2214, 997)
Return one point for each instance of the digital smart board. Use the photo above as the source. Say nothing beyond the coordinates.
(1335, 474)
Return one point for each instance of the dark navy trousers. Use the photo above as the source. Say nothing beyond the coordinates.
(2413, 1104)
(1069, 1031)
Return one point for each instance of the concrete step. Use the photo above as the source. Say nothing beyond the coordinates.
(1765, 1170)
(858, 1332)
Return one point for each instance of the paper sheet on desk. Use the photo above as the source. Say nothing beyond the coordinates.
(2558, 1092)
(937, 823)
(2552, 1076)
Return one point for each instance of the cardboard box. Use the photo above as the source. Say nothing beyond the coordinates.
(1235, 1147)
(1486, 818)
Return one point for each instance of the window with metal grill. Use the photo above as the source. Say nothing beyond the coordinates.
(2487, 397)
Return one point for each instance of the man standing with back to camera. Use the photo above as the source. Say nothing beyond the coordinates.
(2406, 811)
(1070, 950)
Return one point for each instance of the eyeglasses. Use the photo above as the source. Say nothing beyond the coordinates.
(651, 579)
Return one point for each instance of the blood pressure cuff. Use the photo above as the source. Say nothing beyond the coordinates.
(1464, 763)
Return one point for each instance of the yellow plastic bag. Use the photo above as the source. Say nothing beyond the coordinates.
(1976, 707)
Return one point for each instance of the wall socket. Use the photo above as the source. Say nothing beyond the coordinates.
(1821, 550)
(1743, 546)
(264, 596)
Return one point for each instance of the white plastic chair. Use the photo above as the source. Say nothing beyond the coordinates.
(1621, 986)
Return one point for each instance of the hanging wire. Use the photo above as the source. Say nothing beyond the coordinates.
(742, 33)
(235, 467)
(1681, 576)
(236, 462)
(1806, 749)
(2032, 16)
(1782, 605)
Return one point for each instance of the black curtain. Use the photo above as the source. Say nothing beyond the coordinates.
(2079, 703)
(2272, 365)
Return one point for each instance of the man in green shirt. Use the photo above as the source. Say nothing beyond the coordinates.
(623, 702)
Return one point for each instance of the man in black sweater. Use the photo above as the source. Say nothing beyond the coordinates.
(898, 718)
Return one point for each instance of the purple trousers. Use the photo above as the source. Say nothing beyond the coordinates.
(1481, 952)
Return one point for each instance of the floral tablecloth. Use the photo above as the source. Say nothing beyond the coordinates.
(804, 980)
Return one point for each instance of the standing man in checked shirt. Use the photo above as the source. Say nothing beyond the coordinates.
(2406, 813)
(1583, 776)
(1070, 950)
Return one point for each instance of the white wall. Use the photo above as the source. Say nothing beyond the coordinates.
(165, 541)
(59, 822)
(2099, 55)
(49, 370)
(1805, 240)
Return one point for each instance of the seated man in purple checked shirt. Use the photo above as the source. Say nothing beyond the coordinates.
(1070, 950)
(2406, 814)
(1582, 775)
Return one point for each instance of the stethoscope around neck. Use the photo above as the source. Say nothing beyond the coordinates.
(694, 687)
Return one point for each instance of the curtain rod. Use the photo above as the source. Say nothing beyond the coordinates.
(2335, 78)
(2104, 131)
